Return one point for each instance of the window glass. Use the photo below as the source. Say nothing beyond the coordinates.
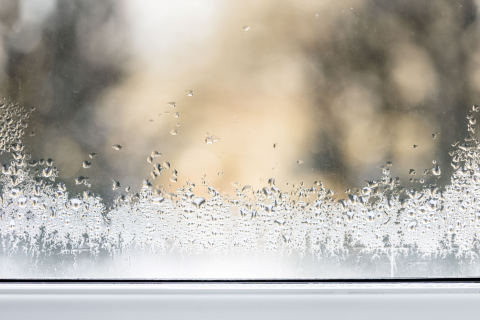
(292, 139)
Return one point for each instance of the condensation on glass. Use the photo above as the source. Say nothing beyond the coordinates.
(208, 140)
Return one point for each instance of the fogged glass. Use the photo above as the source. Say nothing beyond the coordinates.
(239, 139)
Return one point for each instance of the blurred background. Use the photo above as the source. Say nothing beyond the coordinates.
(297, 90)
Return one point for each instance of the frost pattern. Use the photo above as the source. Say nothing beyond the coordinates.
(381, 218)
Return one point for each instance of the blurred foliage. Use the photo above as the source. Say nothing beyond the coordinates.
(344, 86)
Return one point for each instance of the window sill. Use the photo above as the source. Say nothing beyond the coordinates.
(240, 300)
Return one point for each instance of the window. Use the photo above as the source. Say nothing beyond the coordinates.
(215, 140)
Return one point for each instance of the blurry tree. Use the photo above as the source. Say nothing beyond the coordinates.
(61, 55)
(343, 85)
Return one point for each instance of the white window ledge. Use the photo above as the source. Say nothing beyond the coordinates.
(246, 301)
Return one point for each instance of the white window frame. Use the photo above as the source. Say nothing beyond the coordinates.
(407, 299)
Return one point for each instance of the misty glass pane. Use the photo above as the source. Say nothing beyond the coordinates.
(239, 139)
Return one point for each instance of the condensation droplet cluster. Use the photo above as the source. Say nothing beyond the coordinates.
(381, 217)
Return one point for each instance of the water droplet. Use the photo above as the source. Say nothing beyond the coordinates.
(87, 164)
(246, 28)
(22, 202)
(267, 192)
(275, 145)
(412, 225)
(198, 202)
(116, 185)
(415, 146)
(81, 179)
(155, 154)
(172, 104)
(15, 192)
(93, 155)
(177, 114)
(75, 203)
(209, 139)
(246, 188)
(436, 170)
(299, 161)
(412, 172)
(173, 179)
(150, 159)
(117, 147)
(189, 93)
(370, 216)
(157, 201)
(174, 132)
(220, 174)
